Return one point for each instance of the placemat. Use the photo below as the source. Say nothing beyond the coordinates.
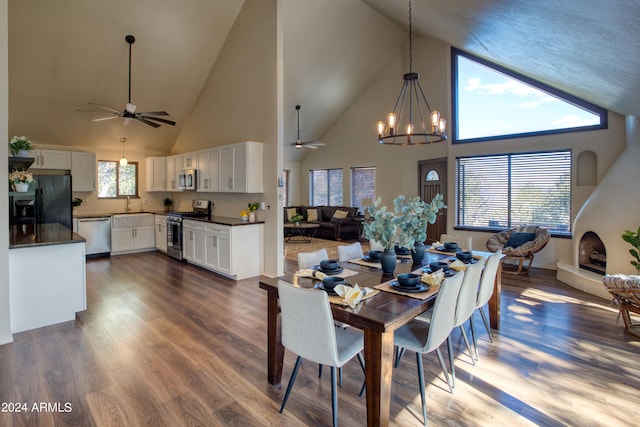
(386, 286)
(335, 299)
(360, 261)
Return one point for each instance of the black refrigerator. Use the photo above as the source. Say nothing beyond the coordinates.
(47, 201)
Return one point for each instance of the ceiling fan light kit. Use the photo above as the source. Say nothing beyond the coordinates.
(123, 159)
(397, 132)
(129, 112)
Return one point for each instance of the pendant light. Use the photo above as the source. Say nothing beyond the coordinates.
(123, 160)
(401, 130)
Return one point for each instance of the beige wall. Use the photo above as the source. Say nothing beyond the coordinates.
(351, 141)
(5, 320)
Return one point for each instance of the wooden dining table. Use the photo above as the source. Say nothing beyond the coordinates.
(378, 317)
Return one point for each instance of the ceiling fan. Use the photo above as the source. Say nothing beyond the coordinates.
(298, 144)
(129, 112)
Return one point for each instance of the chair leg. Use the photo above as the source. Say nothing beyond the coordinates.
(421, 384)
(334, 396)
(364, 383)
(340, 376)
(291, 381)
(319, 370)
(474, 338)
(399, 354)
(466, 341)
(486, 323)
(452, 386)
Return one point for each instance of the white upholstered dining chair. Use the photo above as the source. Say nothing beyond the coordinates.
(309, 259)
(485, 291)
(347, 252)
(466, 243)
(425, 336)
(308, 331)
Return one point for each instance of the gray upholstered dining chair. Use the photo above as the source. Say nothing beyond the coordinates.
(309, 259)
(347, 252)
(425, 336)
(308, 331)
(485, 290)
(465, 307)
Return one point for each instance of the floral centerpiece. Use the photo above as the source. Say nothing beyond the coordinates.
(19, 145)
(244, 215)
(20, 180)
(253, 207)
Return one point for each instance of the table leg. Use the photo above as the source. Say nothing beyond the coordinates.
(275, 349)
(378, 355)
(494, 301)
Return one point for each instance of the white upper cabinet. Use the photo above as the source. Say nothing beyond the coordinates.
(83, 171)
(156, 174)
(174, 164)
(50, 159)
(207, 165)
(188, 161)
(241, 167)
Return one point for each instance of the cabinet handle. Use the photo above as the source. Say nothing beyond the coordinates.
(206, 183)
(230, 182)
(159, 228)
(215, 241)
(191, 235)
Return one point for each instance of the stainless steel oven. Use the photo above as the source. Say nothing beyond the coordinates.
(201, 209)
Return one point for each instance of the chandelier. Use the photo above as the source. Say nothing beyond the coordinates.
(399, 130)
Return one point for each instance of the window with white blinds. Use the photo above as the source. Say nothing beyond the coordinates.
(507, 190)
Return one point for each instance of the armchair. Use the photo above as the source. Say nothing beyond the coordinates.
(519, 245)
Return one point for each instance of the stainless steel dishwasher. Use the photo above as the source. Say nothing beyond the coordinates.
(97, 232)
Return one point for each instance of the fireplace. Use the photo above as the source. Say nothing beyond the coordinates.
(592, 253)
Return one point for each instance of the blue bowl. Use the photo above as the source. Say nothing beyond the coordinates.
(435, 266)
(329, 264)
(332, 281)
(408, 280)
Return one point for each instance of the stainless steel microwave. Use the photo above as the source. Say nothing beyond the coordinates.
(187, 179)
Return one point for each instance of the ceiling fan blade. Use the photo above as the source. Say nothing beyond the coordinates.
(104, 118)
(313, 147)
(169, 122)
(143, 120)
(154, 113)
(106, 108)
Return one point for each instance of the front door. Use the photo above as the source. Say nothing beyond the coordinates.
(433, 180)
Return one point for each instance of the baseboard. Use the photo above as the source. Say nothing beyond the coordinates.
(6, 339)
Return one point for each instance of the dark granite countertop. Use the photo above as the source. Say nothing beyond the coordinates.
(101, 215)
(225, 220)
(30, 235)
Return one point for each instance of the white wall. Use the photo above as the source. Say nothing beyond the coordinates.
(352, 141)
(5, 320)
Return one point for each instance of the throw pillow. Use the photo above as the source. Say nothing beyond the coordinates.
(339, 214)
(519, 239)
(312, 214)
(291, 212)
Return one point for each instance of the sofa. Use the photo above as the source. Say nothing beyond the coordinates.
(336, 222)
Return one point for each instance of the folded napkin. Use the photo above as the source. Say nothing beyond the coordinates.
(458, 265)
(432, 278)
(310, 272)
(352, 295)
(436, 244)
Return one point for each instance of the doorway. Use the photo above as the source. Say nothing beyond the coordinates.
(432, 175)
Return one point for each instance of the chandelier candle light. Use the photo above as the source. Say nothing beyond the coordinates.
(391, 133)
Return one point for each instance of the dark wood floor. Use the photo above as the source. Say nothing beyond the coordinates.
(168, 344)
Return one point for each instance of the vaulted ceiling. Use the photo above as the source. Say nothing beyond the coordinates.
(67, 53)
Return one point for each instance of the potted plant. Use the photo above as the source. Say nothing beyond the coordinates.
(20, 146)
(416, 214)
(244, 215)
(167, 204)
(253, 207)
(20, 180)
(634, 240)
(296, 219)
(384, 229)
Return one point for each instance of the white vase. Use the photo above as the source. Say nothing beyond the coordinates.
(21, 187)
(252, 217)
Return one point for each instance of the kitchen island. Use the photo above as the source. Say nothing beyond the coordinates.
(47, 281)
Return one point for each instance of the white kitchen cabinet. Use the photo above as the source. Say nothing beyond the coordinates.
(173, 167)
(193, 238)
(240, 167)
(156, 174)
(83, 171)
(132, 233)
(218, 248)
(50, 159)
(207, 165)
(161, 232)
(188, 161)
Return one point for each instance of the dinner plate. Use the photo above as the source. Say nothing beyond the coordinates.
(472, 261)
(423, 287)
(328, 272)
(447, 272)
(329, 291)
(443, 249)
(369, 259)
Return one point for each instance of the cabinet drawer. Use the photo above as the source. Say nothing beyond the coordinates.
(193, 225)
(219, 230)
